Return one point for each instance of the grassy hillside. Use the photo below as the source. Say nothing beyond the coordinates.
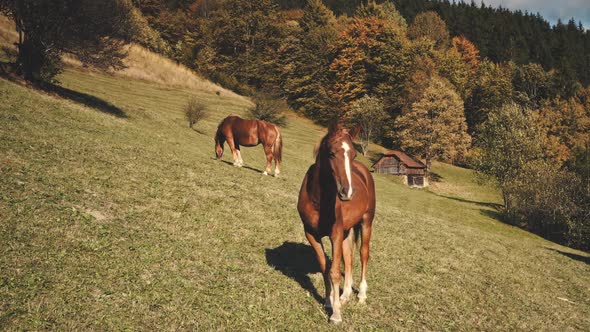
(114, 215)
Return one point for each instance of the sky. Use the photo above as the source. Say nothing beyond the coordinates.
(551, 10)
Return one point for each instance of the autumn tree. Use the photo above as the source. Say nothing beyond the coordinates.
(566, 125)
(531, 84)
(429, 25)
(316, 14)
(451, 66)
(459, 64)
(306, 57)
(435, 125)
(371, 57)
(468, 51)
(385, 11)
(92, 30)
(506, 142)
(418, 81)
(492, 89)
(369, 114)
(246, 38)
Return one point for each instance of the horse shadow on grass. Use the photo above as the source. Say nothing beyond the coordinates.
(199, 131)
(243, 166)
(296, 261)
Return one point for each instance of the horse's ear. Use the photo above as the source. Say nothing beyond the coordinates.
(354, 132)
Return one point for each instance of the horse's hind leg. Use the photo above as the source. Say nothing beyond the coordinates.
(365, 239)
(277, 167)
(347, 247)
(268, 153)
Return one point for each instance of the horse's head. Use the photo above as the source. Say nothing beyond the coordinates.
(337, 152)
(219, 140)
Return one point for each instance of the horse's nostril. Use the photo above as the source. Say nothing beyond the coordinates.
(343, 193)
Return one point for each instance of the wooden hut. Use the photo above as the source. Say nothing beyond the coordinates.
(399, 163)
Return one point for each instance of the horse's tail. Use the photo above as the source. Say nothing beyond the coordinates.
(357, 234)
(277, 146)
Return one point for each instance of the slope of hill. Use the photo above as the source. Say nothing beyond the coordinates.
(114, 215)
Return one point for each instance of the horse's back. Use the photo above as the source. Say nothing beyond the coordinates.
(243, 131)
(267, 132)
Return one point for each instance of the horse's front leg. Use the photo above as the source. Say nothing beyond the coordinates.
(337, 238)
(317, 246)
(240, 161)
(234, 151)
(268, 153)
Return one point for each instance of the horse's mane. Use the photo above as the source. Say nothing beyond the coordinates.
(334, 130)
(318, 146)
(218, 133)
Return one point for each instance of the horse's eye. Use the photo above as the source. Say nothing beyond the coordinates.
(332, 155)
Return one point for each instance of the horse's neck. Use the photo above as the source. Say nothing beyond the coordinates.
(322, 187)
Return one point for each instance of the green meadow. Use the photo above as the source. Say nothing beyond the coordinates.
(114, 215)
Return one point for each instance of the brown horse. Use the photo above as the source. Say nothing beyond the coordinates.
(239, 132)
(337, 199)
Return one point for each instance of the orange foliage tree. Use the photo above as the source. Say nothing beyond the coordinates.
(370, 57)
(469, 52)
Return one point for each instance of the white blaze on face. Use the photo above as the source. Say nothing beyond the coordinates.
(346, 148)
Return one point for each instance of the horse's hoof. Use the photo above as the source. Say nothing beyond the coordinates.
(362, 300)
(335, 319)
(344, 298)
(264, 173)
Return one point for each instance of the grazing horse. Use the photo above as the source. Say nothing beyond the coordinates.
(337, 199)
(237, 131)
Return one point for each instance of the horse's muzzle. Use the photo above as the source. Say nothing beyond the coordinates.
(343, 194)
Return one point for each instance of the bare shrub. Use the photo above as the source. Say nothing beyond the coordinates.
(194, 111)
(270, 110)
(551, 201)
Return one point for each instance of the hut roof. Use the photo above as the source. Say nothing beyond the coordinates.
(404, 158)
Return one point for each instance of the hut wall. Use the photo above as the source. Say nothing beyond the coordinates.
(417, 180)
(390, 165)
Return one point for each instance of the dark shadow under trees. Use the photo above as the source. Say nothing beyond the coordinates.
(84, 99)
(494, 206)
(580, 258)
(550, 233)
(8, 72)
